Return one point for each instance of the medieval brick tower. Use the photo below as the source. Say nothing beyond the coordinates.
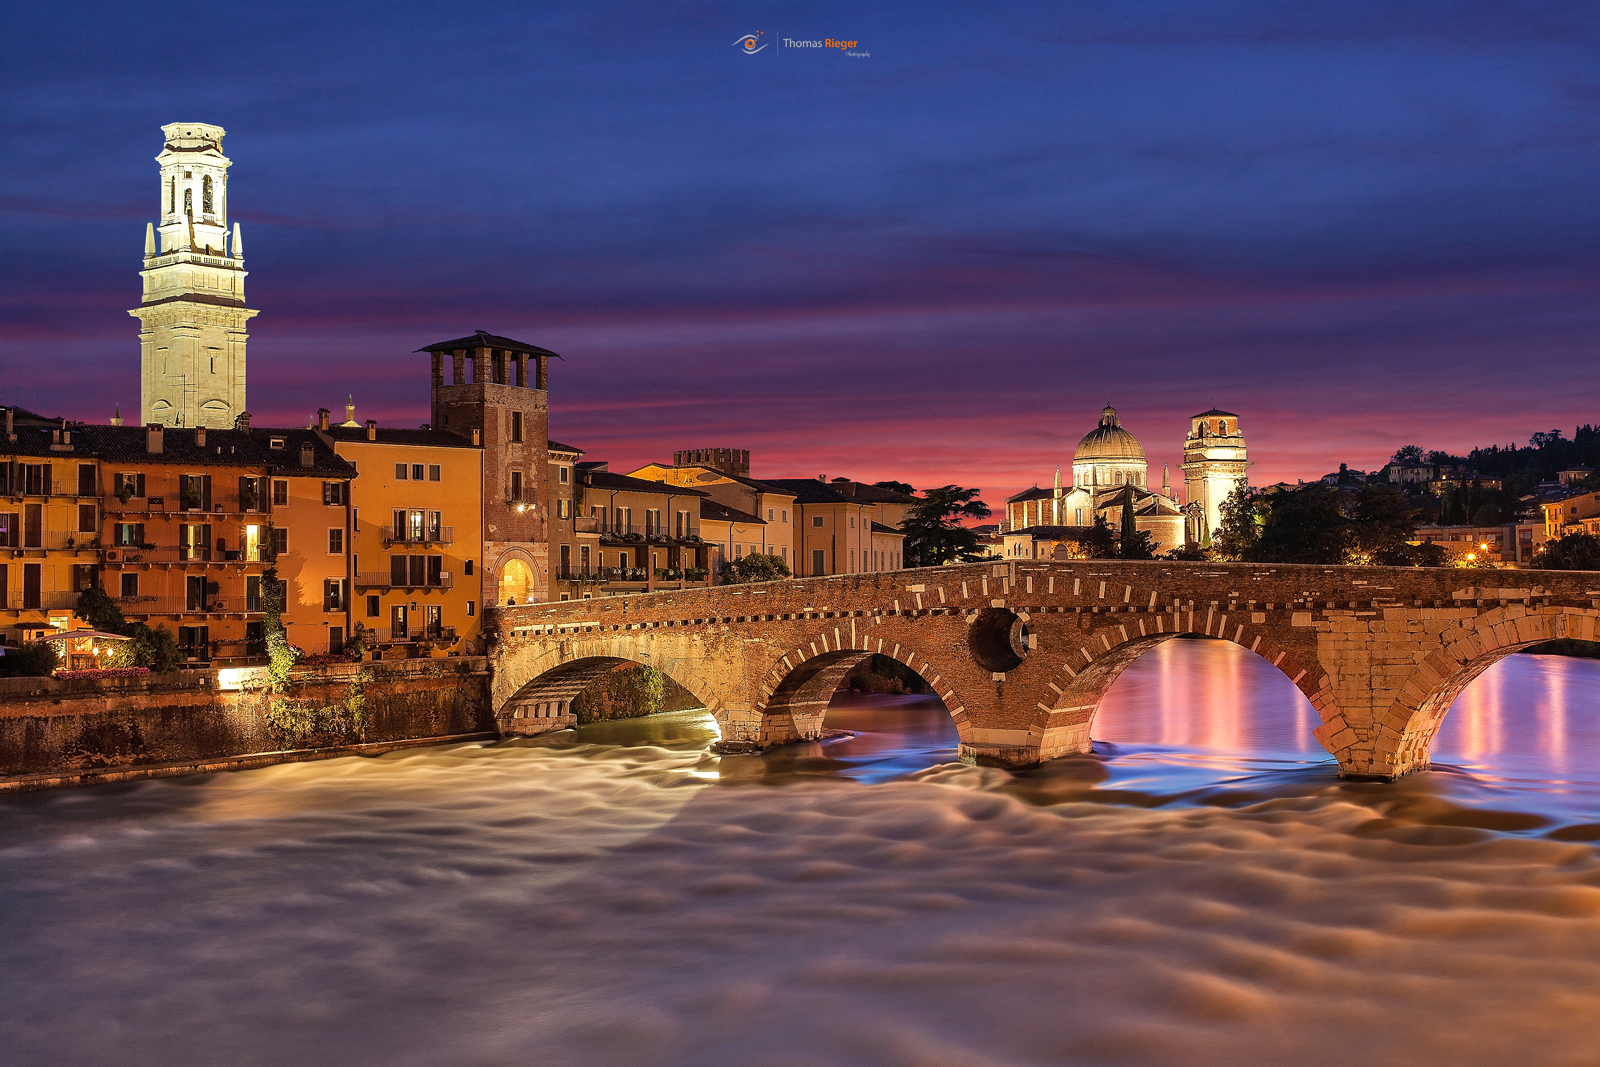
(192, 319)
(495, 393)
(1214, 465)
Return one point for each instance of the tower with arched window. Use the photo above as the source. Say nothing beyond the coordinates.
(192, 320)
(1214, 464)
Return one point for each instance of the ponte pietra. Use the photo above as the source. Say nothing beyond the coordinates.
(1022, 652)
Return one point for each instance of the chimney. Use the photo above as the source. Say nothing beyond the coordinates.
(322, 418)
(152, 438)
(477, 438)
(372, 429)
(200, 436)
(308, 454)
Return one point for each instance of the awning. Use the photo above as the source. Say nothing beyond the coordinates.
(72, 635)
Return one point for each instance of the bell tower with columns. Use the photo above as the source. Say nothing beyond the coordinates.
(1214, 465)
(192, 319)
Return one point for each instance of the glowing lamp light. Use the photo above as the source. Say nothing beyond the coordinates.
(232, 678)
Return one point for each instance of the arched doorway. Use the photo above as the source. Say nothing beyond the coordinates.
(516, 582)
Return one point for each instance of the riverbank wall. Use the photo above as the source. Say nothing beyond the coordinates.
(65, 732)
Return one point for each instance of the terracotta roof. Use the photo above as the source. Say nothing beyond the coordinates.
(619, 483)
(1214, 411)
(711, 509)
(1031, 494)
(878, 527)
(488, 340)
(1053, 533)
(232, 448)
(396, 435)
(557, 446)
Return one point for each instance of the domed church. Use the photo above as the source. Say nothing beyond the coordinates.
(1107, 460)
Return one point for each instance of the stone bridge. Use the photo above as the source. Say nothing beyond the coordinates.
(1023, 652)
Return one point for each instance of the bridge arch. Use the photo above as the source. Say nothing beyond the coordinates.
(1088, 671)
(799, 684)
(1405, 730)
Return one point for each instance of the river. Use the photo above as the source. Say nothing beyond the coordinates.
(1201, 890)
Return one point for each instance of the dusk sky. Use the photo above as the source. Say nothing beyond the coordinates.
(1356, 226)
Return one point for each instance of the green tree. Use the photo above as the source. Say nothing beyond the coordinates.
(281, 656)
(896, 487)
(934, 531)
(1410, 455)
(1384, 526)
(754, 567)
(625, 693)
(1574, 552)
(1100, 542)
(101, 612)
(1303, 525)
(155, 648)
(1240, 526)
(35, 660)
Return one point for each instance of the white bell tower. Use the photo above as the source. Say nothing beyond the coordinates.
(192, 319)
(1214, 464)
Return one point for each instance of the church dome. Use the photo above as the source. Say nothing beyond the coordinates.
(1109, 442)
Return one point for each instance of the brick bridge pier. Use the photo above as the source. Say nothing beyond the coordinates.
(1023, 652)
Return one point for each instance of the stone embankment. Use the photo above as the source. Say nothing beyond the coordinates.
(66, 732)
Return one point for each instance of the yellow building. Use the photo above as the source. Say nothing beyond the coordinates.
(767, 526)
(841, 528)
(417, 538)
(49, 525)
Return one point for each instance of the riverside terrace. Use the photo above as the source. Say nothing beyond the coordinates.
(1022, 653)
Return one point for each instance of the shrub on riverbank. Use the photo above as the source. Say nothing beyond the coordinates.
(30, 661)
(625, 693)
(884, 674)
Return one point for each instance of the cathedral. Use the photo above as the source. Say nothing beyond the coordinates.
(192, 318)
(1108, 461)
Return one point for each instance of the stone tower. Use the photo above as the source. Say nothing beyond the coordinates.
(494, 392)
(1213, 465)
(192, 318)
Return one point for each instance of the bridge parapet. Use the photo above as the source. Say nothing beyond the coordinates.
(1022, 652)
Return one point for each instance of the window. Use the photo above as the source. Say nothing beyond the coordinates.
(280, 540)
(194, 492)
(652, 521)
(769, 514)
(564, 475)
(852, 522)
(417, 570)
(472, 607)
(400, 471)
(566, 563)
(373, 607)
(130, 585)
(516, 485)
(516, 426)
(435, 570)
(33, 526)
(784, 552)
(818, 561)
(563, 509)
(275, 443)
(335, 640)
(398, 630)
(434, 620)
(36, 479)
(397, 570)
(816, 520)
(205, 195)
(333, 594)
(86, 519)
(434, 474)
(466, 567)
(336, 541)
(252, 593)
(333, 493)
(280, 493)
(127, 486)
(188, 201)
(88, 483)
(416, 472)
(435, 526)
(785, 514)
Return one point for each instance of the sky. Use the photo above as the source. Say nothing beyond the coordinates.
(1357, 226)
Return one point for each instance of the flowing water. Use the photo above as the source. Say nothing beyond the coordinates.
(1201, 890)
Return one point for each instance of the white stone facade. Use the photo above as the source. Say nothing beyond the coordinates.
(1214, 464)
(192, 317)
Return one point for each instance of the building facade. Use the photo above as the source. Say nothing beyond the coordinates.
(192, 318)
(1214, 465)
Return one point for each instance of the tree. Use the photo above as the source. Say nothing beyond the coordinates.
(1101, 543)
(101, 612)
(1134, 543)
(1384, 526)
(1487, 515)
(896, 487)
(1574, 552)
(754, 567)
(1409, 455)
(934, 531)
(1240, 526)
(35, 660)
(1303, 525)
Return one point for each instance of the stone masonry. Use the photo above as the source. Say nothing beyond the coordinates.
(1022, 652)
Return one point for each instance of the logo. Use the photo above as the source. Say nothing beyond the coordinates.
(749, 44)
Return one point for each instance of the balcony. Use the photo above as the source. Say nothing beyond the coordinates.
(619, 531)
(586, 524)
(443, 536)
(20, 600)
(182, 605)
(118, 555)
(435, 635)
(54, 541)
(384, 580)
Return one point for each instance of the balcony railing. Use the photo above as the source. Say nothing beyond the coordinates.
(443, 536)
(586, 524)
(182, 605)
(52, 541)
(18, 600)
(120, 554)
(645, 531)
(384, 580)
